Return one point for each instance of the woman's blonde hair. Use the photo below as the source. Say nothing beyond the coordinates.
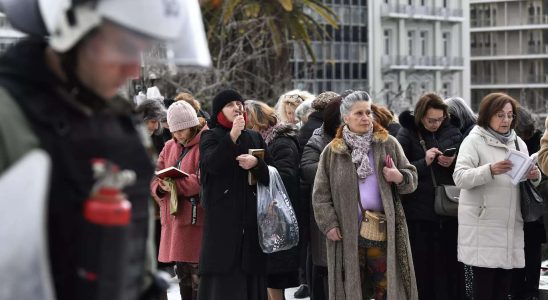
(260, 115)
(292, 98)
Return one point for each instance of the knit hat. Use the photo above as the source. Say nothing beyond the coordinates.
(222, 99)
(151, 110)
(323, 99)
(181, 115)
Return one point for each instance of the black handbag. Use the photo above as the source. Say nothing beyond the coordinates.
(532, 203)
(446, 197)
(446, 202)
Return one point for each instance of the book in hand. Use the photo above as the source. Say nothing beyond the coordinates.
(521, 165)
(170, 172)
(259, 153)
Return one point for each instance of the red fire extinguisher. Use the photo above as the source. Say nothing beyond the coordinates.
(107, 218)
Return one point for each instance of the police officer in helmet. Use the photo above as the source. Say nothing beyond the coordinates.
(58, 92)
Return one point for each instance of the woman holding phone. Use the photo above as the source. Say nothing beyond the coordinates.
(425, 135)
(380, 171)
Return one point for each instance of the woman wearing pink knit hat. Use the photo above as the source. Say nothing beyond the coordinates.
(180, 210)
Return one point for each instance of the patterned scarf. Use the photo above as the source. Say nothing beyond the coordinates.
(267, 134)
(360, 145)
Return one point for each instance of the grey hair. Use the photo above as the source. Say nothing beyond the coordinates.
(303, 109)
(351, 99)
(525, 126)
(458, 108)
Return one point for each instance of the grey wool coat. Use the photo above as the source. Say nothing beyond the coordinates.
(335, 203)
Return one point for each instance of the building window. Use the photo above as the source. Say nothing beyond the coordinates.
(445, 40)
(410, 42)
(423, 43)
(387, 35)
(445, 89)
(444, 3)
(388, 92)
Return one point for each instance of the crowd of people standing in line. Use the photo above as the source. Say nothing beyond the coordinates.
(337, 154)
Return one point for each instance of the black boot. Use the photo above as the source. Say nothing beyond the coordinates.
(186, 292)
(302, 292)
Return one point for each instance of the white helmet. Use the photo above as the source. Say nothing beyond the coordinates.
(175, 23)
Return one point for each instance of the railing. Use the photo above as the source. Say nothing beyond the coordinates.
(416, 10)
(528, 79)
(488, 22)
(524, 50)
(388, 61)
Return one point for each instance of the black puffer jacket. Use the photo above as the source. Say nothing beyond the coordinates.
(315, 120)
(419, 205)
(285, 154)
(309, 166)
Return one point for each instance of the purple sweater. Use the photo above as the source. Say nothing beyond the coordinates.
(370, 195)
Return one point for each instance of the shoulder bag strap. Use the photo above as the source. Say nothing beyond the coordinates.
(180, 158)
(423, 144)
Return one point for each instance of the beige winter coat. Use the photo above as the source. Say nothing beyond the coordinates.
(335, 202)
(490, 222)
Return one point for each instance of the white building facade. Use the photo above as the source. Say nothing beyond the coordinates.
(509, 50)
(404, 48)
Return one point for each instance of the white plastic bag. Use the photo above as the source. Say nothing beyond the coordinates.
(278, 228)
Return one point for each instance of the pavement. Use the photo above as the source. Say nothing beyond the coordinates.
(173, 292)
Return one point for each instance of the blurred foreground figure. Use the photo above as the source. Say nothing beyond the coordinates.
(58, 92)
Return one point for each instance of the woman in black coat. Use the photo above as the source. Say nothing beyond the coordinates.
(433, 238)
(309, 165)
(283, 147)
(232, 264)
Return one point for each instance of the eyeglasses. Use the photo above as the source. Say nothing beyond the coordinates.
(432, 121)
(502, 116)
(294, 97)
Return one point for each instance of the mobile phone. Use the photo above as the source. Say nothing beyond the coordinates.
(449, 152)
(388, 161)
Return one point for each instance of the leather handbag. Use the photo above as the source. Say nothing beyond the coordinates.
(446, 202)
(446, 197)
(532, 203)
(373, 226)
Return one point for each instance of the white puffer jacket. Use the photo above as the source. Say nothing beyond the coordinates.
(490, 222)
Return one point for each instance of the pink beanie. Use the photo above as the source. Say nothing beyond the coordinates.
(181, 115)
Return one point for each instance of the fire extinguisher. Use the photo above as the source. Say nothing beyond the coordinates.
(105, 236)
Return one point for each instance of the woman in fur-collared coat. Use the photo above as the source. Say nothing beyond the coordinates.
(351, 169)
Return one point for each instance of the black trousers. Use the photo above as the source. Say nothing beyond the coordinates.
(319, 288)
(491, 283)
(525, 281)
(434, 247)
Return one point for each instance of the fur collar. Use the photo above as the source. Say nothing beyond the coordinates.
(407, 120)
(338, 145)
(285, 129)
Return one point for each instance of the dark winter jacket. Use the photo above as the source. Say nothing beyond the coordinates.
(393, 129)
(159, 138)
(230, 237)
(315, 120)
(419, 205)
(309, 166)
(74, 129)
(285, 156)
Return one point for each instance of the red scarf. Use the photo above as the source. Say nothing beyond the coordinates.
(223, 121)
